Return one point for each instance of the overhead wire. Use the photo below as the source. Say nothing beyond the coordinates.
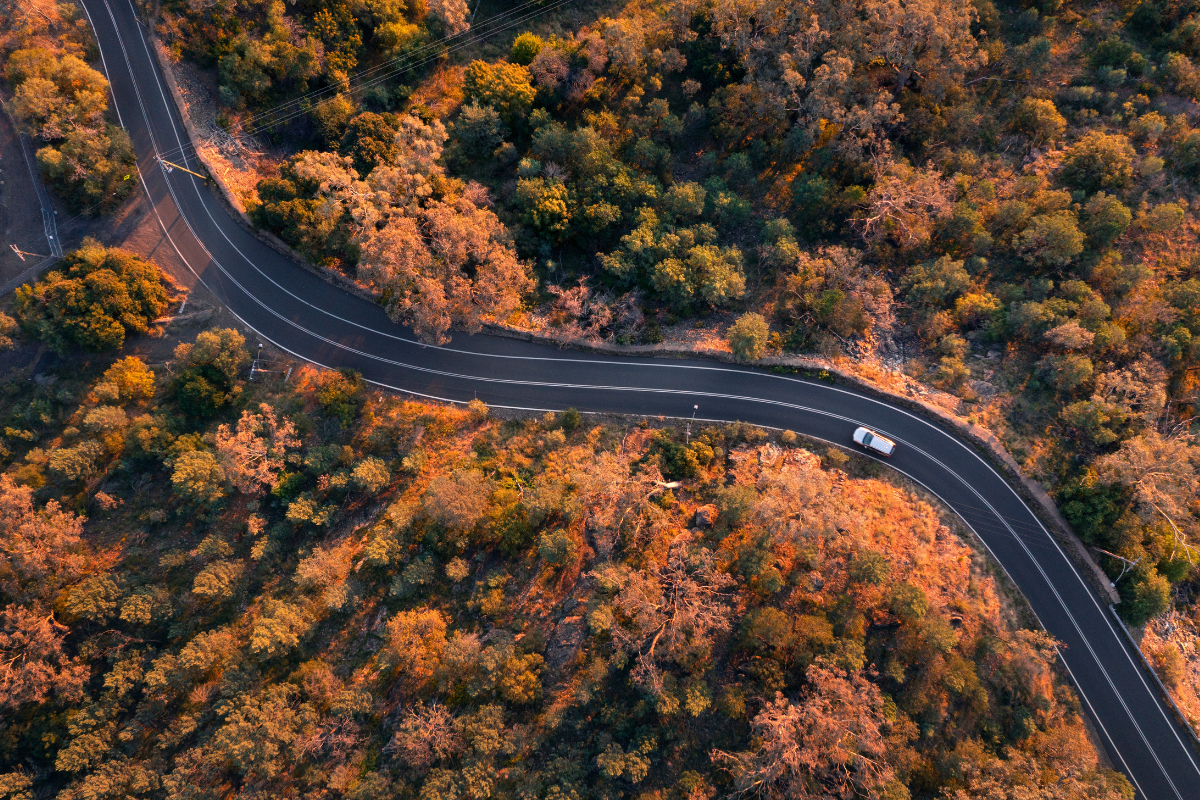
(472, 39)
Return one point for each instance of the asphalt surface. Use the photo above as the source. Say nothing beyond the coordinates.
(299, 312)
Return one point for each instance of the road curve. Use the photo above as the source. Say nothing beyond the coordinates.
(302, 314)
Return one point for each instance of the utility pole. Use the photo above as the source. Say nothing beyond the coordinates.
(22, 253)
(688, 436)
(170, 165)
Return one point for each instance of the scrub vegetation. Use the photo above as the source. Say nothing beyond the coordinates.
(313, 589)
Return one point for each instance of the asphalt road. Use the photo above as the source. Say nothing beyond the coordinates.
(302, 314)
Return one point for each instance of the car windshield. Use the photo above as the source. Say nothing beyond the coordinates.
(867, 438)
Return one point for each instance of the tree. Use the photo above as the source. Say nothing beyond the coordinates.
(198, 477)
(904, 204)
(450, 266)
(8, 325)
(371, 475)
(258, 731)
(95, 172)
(425, 735)
(452, 14)
(278, 629)
(61, 100)
(508, 88)
(675, 606)
(526, 47)
(93, 299)
(1099, 161)
(223, 349)
(545, 205)
(1052, 241)
(1039, 119)
(253, 456)
(413, 645)
(370, 140)
(805, 60)
(833, 743)
(34, 664)
(327, 569)
(41, 547)
(131, 380)
(210, 369)
(1162, 472)
(748, 337)
(477, 132)
(1105, 219)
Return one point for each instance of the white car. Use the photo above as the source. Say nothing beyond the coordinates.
(873, 441)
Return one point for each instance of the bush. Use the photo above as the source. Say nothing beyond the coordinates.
(1099, 161)
(93, 299)
(748, 337)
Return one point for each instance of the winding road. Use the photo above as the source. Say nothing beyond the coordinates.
(302, 314)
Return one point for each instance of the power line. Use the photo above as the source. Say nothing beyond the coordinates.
(470, 40)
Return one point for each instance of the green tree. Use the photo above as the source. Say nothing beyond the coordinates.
(1147, 594)
(1039, 120)
(1099, 161)
(370, 139)
(93, 299)
(1105, 219)
(748, 336)
(95, 172)
(477, 132)
(219, 354)
(341, 394)
(1052, 241)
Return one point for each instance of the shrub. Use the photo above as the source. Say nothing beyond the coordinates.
(748, 337)
(1099, 161)
(93, 299)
